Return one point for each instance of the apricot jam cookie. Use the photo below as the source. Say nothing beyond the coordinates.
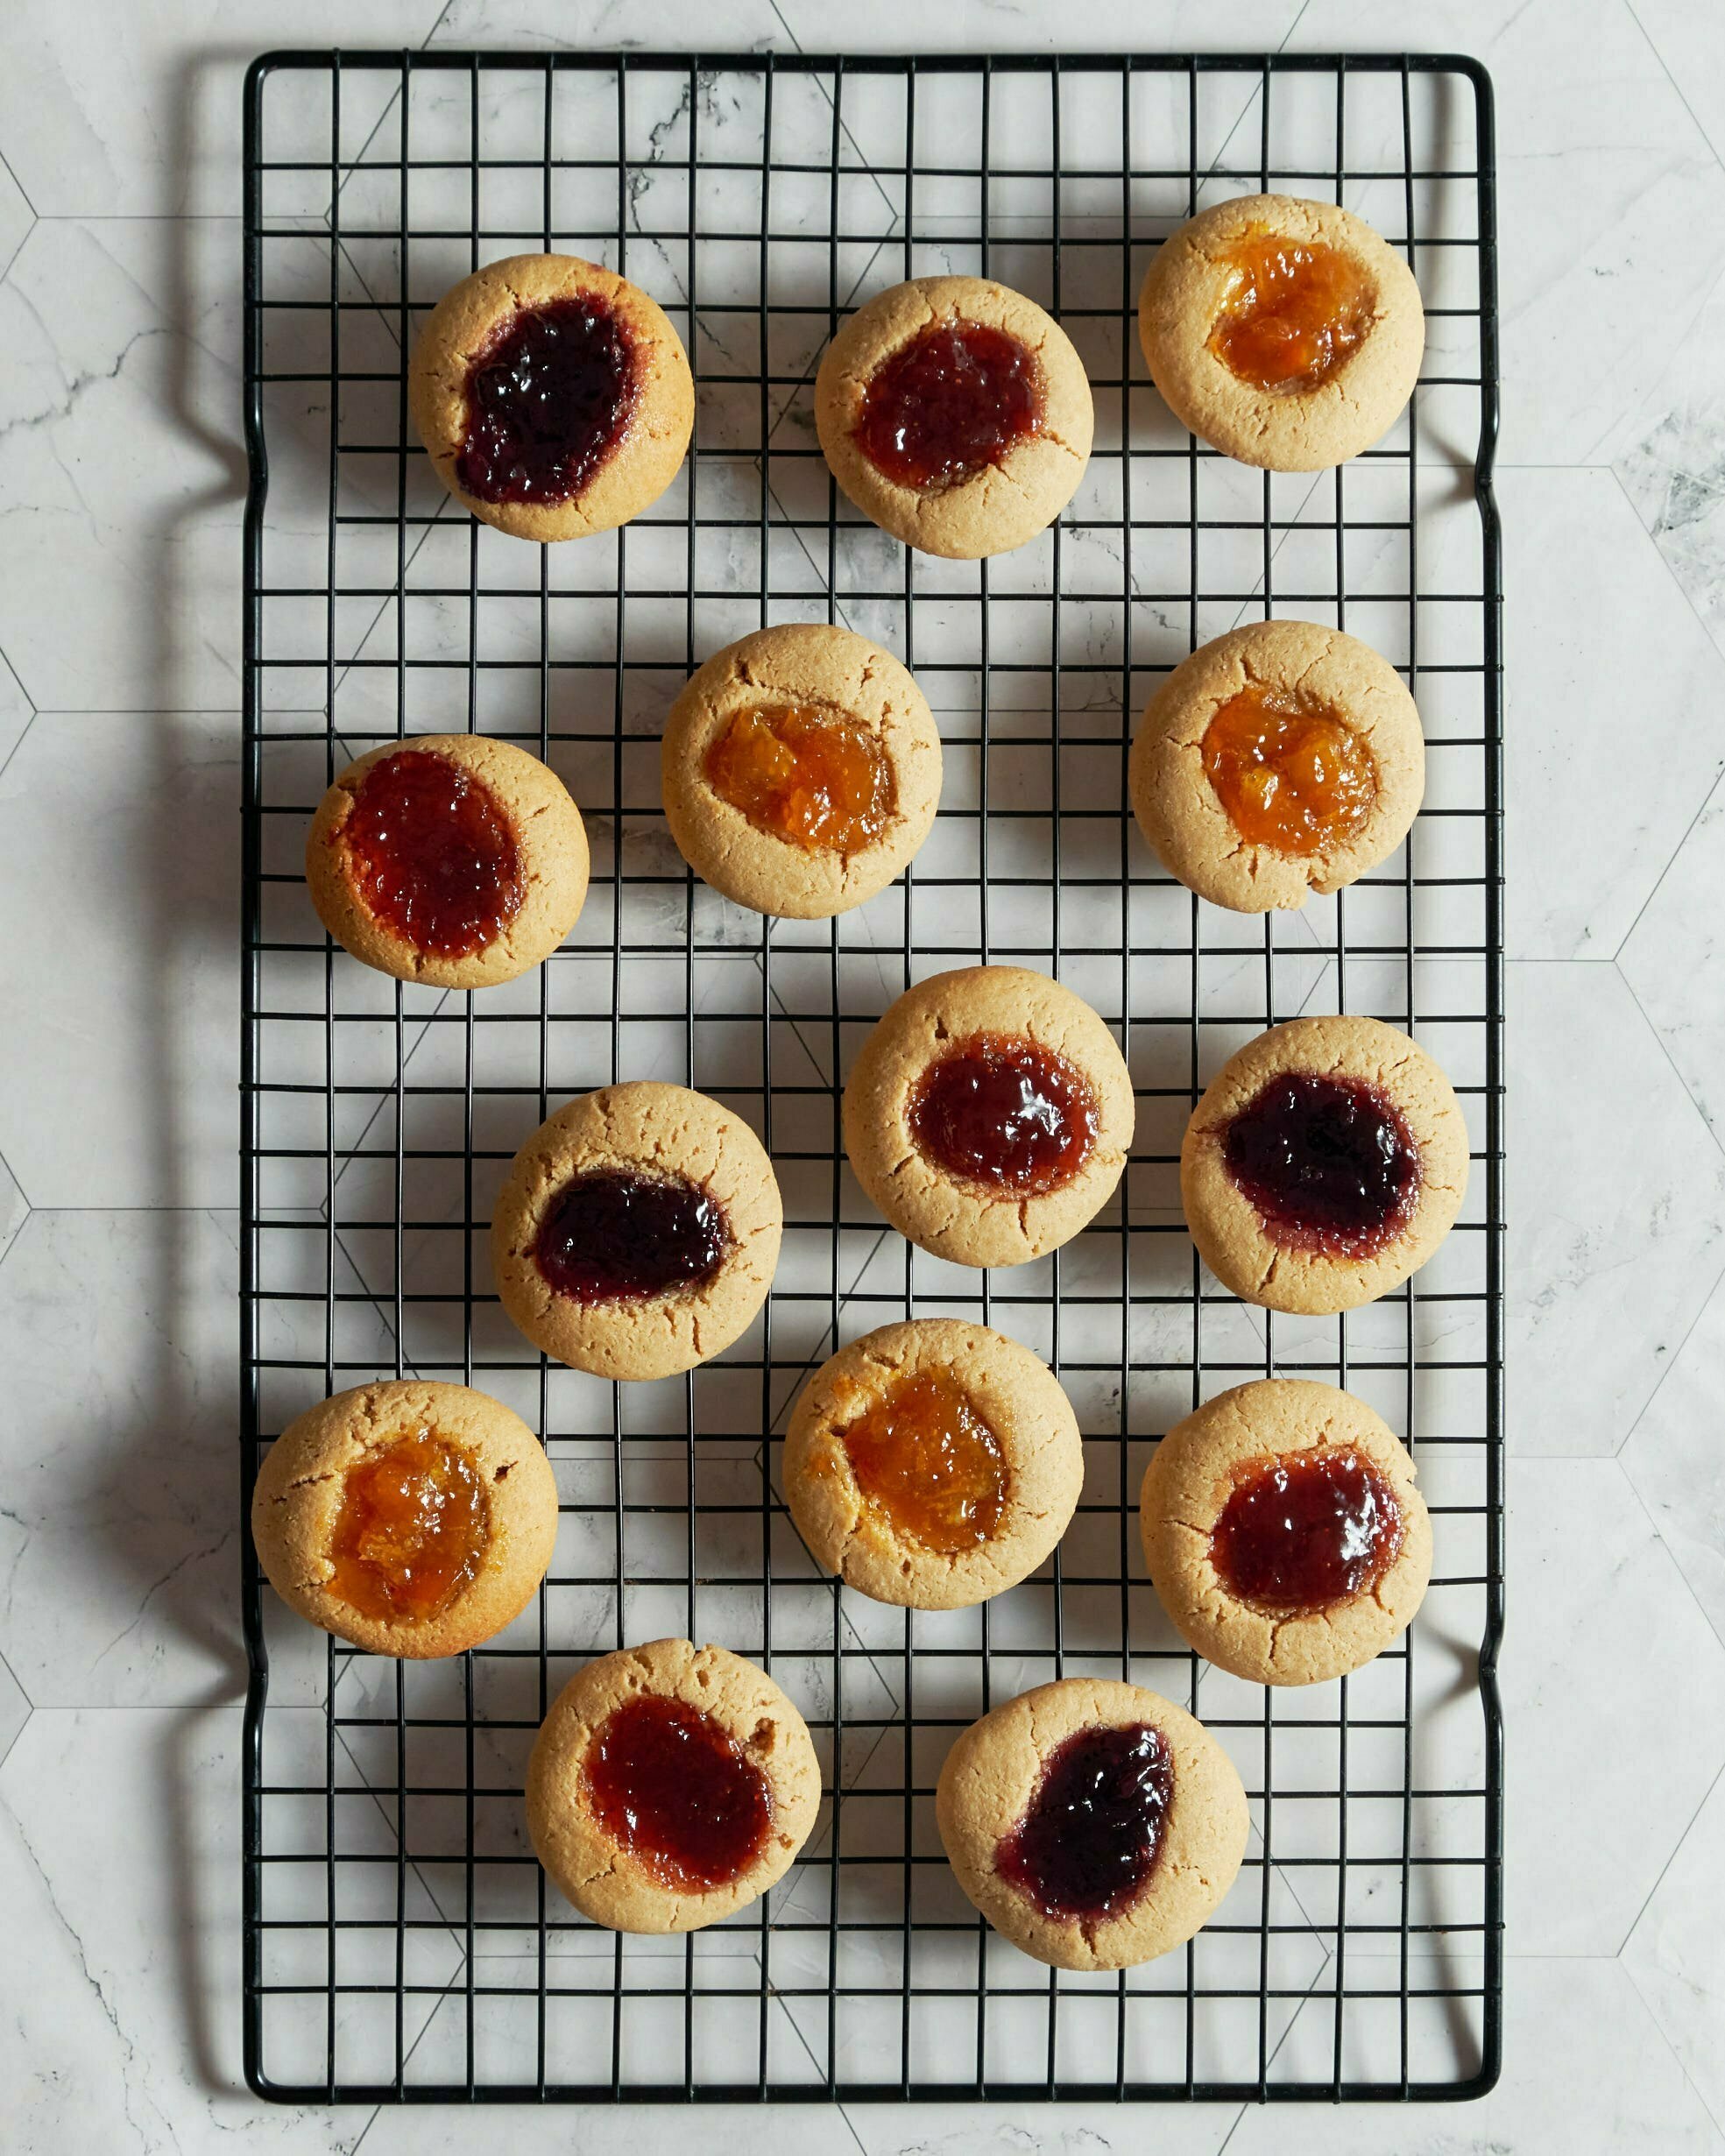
(448, 859)
(801, 770)
(1326, 1162)
(670, 1786)
(1281, 758)
(638, 1232)
(932, 1464)
(409, 1518)
(553, 396)
(1283, 1532)
(989, 1114)
(1095, 1824)
(1284, 332)
(956, 414)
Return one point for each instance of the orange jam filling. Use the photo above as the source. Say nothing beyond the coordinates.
(930, 1462)
(1295, 312)
(814, 778)
(411, 1529)
(1289, 777)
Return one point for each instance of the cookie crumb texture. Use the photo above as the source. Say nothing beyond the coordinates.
(410, 1518)
(1284, 332)
(790, 833)
(553, 397)
(1095, 1824)
(972, 1015)
(448, 859)
(932, 1464)
(1326, 1162)
(704, 1159)
(956, 414)
(1368, 1575)
(669, 1786)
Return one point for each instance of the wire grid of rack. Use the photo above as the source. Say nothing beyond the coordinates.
(399, 1941)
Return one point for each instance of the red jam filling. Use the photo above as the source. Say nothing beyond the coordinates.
(958, 397)
(1303, 1532)
(548, 401)
(1088, 1845)
(617, 1236)
(675, 1790)
(1327, 1162)
(411, 1529)
(431, 854)
(1000, 1110)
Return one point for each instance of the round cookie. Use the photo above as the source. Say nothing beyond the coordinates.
(801, 667)
(520, 804)
(1230, 1441)
(1190, 287)
(1306, 670)
(970, 1222)
(451, 1453)
(998, 1769)
(1040, 1460)
(982, 510)
(1292, 1270)
(627, 1145)
(629, 1866)
(654, 391)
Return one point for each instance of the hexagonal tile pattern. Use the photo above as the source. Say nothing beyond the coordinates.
(16, 218)
(1676, 1953)
(1678, 943)
(13, 1208)
(14, 1710)
(1674, 1458)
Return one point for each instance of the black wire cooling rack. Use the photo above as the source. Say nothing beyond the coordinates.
(400, 1941)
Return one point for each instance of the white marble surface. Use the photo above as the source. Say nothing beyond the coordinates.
(120, 480)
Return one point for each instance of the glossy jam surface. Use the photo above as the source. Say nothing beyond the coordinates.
(548, 400)
(1303, 1532)
(672, 1786)
(1001, 1111)
(1327, 1161)
(1089, 1842)
(817, 780)
(1294, 778)
(431, 854)
(1295, 312)
(615, 1236)
(924, 1455)
(957, 397)
(411, 1529)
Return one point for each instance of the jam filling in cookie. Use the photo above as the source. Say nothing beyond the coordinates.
(548, 400)
(1086, 1847)
(1290, 777)
(614, 1235)
(923, 1454)
(411, 1529)
(1300, 1533)
(673, 1787)
(1002, 1111)
(960, 396)
(810, 777)
(1327, 1161)
(431, 855)
(1295, 312)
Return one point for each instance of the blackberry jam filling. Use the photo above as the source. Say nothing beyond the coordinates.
(431, 854)
(613, 1235)
(1305, 1531)
(1000, 1110)
(957, 397)
(1088, 1843)
(1328, 1164)
(548, 400)
(673, 1787)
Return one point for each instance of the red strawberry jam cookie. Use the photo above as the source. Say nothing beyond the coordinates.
(1326, 1162)
(932, 1464)
(410, 1518)
(1284, 1533)
(801, 770)
(553, 397)
(1284, 332)
(670, 1786)
(448, 859)
(956, 414)
(1282, 759)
